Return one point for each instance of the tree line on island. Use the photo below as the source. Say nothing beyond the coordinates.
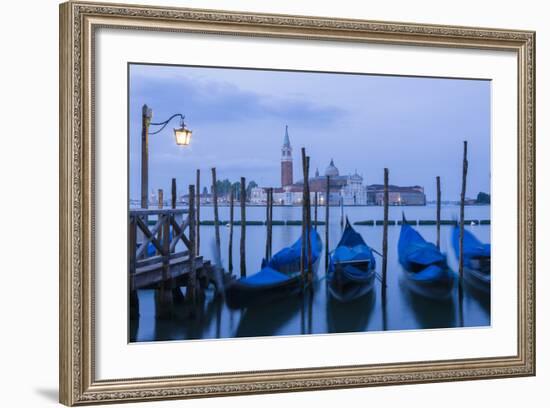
(225, 186)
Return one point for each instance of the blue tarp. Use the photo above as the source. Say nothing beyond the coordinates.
(293, 253)
(472, 246)
(351, 248)
(430, 273)
(413, 248)
(266, 276)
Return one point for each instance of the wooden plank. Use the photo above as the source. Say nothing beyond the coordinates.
(149, 234)
(150, 277)
(179, 232)
(180, 261)
(152, 260)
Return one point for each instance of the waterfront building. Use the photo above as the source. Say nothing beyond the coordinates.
(397, 195)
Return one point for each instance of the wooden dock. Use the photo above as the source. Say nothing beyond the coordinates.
(155, 262)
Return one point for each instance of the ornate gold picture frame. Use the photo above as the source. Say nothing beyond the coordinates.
(79, 22)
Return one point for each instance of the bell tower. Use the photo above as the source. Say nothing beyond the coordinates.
(286, 161)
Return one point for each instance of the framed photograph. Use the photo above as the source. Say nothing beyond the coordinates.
(255, 203)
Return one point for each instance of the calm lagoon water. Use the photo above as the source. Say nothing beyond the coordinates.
(317, 314)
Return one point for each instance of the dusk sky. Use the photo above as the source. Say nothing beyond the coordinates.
(413, 126)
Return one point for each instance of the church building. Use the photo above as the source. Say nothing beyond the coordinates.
(348, 189)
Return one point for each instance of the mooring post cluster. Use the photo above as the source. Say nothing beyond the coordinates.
(168, 228)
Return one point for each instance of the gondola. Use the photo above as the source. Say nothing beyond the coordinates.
(351, 270)
(287, 260)
(477, 259)
(426, 270)
(278, 278)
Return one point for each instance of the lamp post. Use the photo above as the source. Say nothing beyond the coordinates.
(181, 134)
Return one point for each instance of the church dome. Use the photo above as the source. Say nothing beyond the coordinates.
(332, 170)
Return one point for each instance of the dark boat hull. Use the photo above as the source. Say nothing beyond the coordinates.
(253, 291)
(477, 279)
(432, 289)
(344, 289)
(477, 260)
(240, 295)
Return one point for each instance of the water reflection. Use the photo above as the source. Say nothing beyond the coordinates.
(431, 313)
(353, 316)
(481, 297)
(268, 320)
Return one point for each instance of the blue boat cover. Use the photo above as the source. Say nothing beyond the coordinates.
(472, 246)
(293, 253)
(270, 273)
(351, 248)
(266, 276)
(413, 248)
(430, 273)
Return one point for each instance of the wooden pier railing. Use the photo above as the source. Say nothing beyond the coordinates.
(156, 261)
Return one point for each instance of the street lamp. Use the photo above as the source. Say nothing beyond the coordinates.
(181, 134)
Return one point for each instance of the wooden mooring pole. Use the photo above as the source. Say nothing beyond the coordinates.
(216, 217)
(341, 211)
(315, 214)
(308, 227)
(385, 248)
(192, 280)
(438, 212)
(327, 208)
(132, 245)
(271, 222)
(303, 248)
(385, 232)
(198, 205)
(173, 197)
(166, 300)
(462, 199)
(176, 292)
(461, 238)
(231, 221)
(243, 228)
(268, 223)
(161, 198)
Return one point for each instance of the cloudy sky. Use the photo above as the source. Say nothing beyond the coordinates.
(413, 126)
